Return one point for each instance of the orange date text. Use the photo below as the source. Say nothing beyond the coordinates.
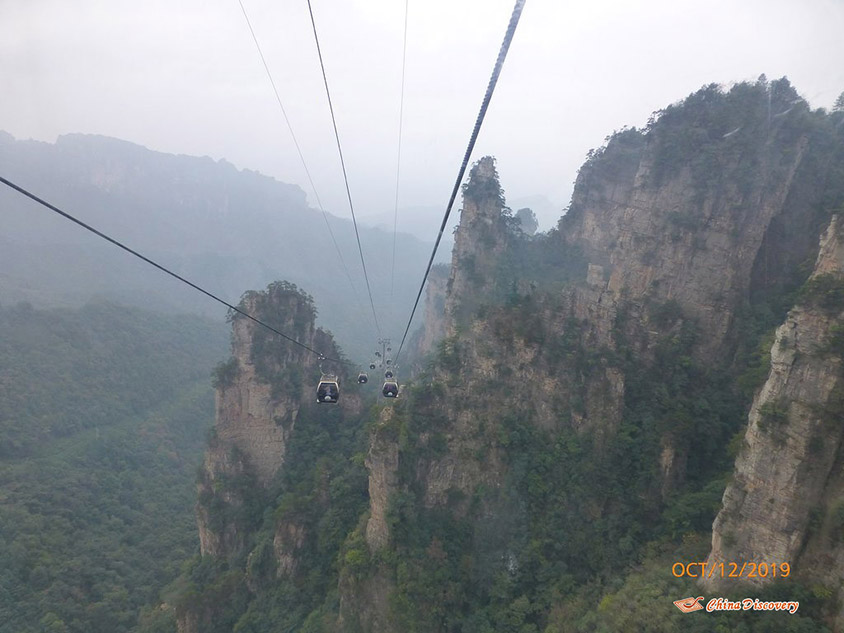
(731, 570)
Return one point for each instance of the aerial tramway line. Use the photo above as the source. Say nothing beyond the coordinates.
(328, 387)
(383, 359)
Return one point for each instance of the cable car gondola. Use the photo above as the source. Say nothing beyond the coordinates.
(391, 388)
(328, 390)
(362, 378)
(388, 374)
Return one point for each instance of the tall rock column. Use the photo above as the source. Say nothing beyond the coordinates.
(259, 394)
(480, 241)
(784, 479)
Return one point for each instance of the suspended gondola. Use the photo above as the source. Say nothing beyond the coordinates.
(390, 389)
(328, 390)
(362, 378)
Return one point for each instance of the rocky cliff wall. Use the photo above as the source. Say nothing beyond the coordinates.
(690, 235)
(591, 353)
(547, 443)
(259, 395)
(715, 203)
(479, 243)
(260, 525)
(783, 504)
(433, 329)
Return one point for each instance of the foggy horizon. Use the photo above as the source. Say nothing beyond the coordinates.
(190, 81)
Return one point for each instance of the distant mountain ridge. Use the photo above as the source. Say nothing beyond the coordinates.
(229, 230)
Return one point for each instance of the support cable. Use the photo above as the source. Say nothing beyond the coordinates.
(398, 154)
(119, 244)
(299, 150)
(343, 165)
(499, 62)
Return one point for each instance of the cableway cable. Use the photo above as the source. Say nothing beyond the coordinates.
(343, 165)
(499, 62)
(298, 149)
(398, 153)
(164, 269)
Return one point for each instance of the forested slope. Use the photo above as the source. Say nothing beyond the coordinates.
(103, 414)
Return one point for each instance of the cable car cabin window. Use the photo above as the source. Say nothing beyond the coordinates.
(328, 391)
(391, 389)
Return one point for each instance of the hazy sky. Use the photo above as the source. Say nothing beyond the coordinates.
(183, 76)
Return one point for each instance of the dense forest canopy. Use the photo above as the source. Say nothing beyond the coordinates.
(104, 413)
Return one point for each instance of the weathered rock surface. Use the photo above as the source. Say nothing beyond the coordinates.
(382, 462)
(792, 448)
(258, 404)
(678, 241)
(288, 541)
(434, 327)
(365, 604)
(479, 242)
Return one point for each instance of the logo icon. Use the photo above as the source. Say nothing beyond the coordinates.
(687, 605)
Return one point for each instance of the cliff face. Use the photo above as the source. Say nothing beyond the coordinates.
(433, 330)
(784, 501)
(718, 202)
(479, 243)
(592, 353)
(670, 229)
(382, 462)
(546, 445)
(692, 230)
(265, 393)
(259, 393)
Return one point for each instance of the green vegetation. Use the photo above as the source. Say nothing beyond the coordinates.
(288, 309)
(695, 134)
(225, 373)
(313, 505)
(320, 494)
(640, 599)
(483, 189)
(103, 414)
(825, 292)
(582, 490)
(579, 537)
